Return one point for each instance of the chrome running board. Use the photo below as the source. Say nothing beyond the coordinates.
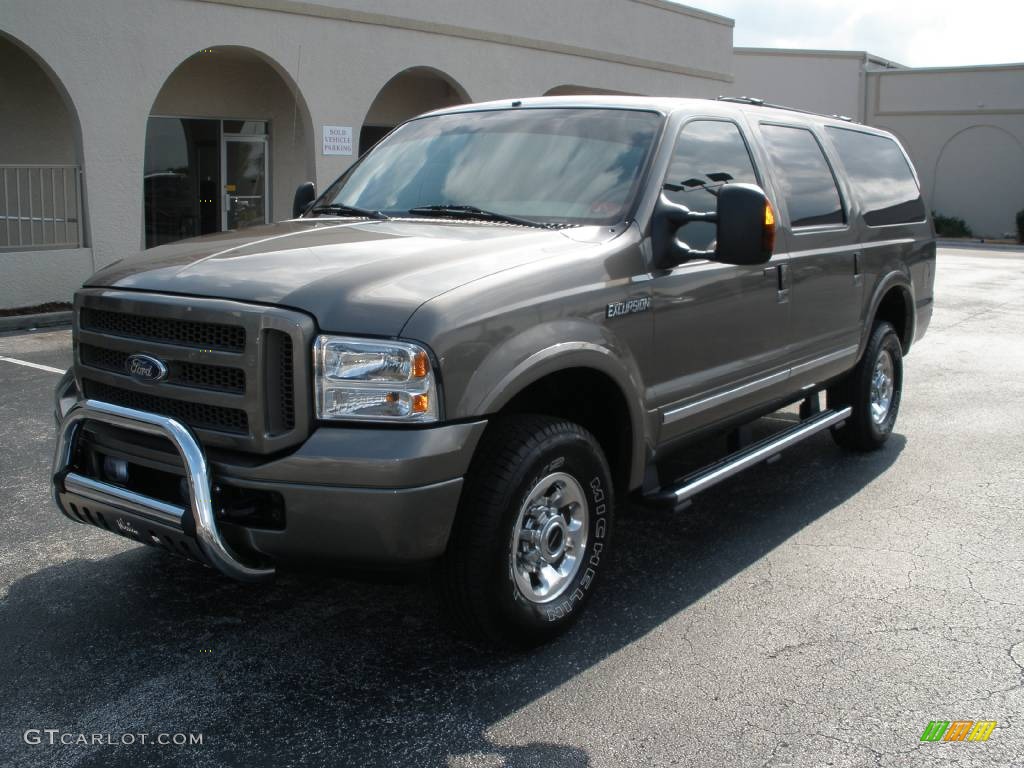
(678, 495)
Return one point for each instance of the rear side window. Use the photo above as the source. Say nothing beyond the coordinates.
(804, 176)
(708, 154)
(880, 176)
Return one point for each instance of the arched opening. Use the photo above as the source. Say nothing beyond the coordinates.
(978, 179)
(229, 138)
(40, 156)
(584, 90)
(409, 93)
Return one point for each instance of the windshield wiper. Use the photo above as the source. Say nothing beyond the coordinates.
(348, 210)
(472, 212)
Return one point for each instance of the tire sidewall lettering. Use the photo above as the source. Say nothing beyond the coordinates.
(575, 596)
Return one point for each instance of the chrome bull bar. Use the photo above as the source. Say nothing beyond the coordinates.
(211, 544)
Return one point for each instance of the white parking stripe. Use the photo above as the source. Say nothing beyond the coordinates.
(49, 368)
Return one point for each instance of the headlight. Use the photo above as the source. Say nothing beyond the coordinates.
(359, 379)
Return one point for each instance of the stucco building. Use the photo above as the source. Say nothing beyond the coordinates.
(962, 126)
(140, 121)
(137, 122)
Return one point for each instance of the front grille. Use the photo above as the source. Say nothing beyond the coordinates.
(199, 415)
(216, 377)
(238, 374)
(186, 333)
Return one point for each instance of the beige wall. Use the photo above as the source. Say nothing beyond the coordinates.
(114, 59)
(654, 33)
(30, 278)
(410, 94)
(964, 129)
(970, 90)
(35, 125)
(821, 81)
(962, 126)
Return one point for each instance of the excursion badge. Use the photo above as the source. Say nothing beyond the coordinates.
(629, 307)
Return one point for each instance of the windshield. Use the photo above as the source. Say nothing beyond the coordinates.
(550, 166)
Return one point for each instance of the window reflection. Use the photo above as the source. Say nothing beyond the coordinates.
(182, 178)
(808, 186)
(708, 154)
(573, 166)
(880, 176)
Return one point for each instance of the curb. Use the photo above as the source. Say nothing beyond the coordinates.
(28, 322)
(979, 244)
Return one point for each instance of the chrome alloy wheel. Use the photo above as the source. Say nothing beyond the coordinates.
(549, 540)
(883, 382)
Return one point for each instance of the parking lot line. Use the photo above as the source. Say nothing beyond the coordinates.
(16, 361)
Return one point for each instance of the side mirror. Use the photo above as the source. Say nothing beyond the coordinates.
(745, 224)
(304, 197)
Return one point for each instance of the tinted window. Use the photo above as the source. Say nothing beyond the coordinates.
(563, 166)
(708, 154)
(804, 176)
(880, 176)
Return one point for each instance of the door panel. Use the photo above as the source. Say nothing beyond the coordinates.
(824, 258)
(245, 183)
(721, 331)
(826, 295)
(717, 328)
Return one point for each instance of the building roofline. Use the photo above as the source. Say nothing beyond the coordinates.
(337, 13)
(819, 53)
(965, 68)
(688, 10)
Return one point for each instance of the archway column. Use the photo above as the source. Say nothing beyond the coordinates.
(111, 145)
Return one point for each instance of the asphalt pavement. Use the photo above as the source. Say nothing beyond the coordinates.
(820, 611)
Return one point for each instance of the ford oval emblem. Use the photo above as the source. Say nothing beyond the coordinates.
(145, 368)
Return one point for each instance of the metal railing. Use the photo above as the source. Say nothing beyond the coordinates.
(40, 207)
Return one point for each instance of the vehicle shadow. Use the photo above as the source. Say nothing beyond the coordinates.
(329, 670)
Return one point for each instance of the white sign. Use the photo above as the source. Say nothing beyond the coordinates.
(337, 140)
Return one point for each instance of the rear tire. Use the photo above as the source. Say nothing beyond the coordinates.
(531, 534)
(874, 390)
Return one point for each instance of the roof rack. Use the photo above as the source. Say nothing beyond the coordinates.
(762, 103)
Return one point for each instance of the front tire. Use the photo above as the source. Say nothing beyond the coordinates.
(531, 534)
(874, 389)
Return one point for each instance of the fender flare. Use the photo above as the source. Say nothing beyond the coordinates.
(494, 384)
(902, 282)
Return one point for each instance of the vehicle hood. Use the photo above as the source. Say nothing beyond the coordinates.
(364, 277)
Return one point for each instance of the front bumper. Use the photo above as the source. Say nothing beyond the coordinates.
(353, 495)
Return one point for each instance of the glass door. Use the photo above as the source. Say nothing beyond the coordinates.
(245, 181)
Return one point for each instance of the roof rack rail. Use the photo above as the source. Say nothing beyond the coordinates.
(762, 103)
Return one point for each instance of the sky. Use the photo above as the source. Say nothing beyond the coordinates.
(911, 32)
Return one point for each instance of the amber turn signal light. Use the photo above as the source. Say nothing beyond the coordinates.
(768, 232)
(420, 365)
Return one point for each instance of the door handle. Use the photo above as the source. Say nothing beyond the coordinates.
(780, 274)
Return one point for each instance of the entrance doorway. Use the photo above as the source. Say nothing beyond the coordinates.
(204, 176)
(244, 158)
